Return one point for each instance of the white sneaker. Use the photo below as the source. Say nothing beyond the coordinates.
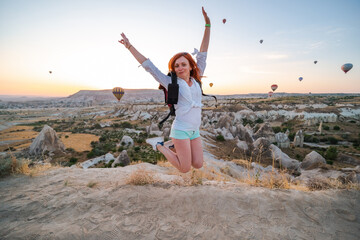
(154, 141)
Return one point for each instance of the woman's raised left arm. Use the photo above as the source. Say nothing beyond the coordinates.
(206, 38)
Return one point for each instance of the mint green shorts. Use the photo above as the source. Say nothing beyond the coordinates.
(178, 134)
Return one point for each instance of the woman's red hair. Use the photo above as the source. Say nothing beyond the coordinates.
(195, 72)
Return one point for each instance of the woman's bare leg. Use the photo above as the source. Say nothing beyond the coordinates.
(182, 158)
(197, 154)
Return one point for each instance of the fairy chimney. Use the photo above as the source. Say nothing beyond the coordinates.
(47, 140)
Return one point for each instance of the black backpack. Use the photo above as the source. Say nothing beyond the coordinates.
(172, 94)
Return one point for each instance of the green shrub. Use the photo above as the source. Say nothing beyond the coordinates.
(325, 127)
(246, 121)
(220, 138)
(276, 129)
(73, 160)
(307, 138)
(66, 136)
(70, 149)
(330, 162)
(137, 149)
(5, 166)
(259, 120)
(336, 128)
(332, 140)
(90, 154)
(291, 136)
(108, 165)
(331, 153)
(126, 125)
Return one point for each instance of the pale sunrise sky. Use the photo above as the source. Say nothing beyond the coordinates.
(77, 41)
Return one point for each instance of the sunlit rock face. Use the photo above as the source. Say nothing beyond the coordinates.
(46, 141)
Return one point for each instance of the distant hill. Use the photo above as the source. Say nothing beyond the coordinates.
(103, 96)
(137, 95)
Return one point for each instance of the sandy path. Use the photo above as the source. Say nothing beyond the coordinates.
(44, 207)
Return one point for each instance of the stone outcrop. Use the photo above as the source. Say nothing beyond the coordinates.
(299, 139)
(243, 133)
(265, 131)
(123, 159)
(347, 159)
(312, 160)
(320, 127)
(46, 141)
(262, 148)
(282, 140)
(283, 159)
(91, 162)
(153, 129)
(126, 141)
(166, 132)
(224, 122)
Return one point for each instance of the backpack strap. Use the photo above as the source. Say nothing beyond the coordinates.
(206, 95)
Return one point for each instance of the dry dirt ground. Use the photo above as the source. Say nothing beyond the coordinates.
(20, 137)
(62, 204)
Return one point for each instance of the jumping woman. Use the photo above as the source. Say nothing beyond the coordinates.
(184, 133)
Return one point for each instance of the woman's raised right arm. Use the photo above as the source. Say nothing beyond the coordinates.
(138, 56)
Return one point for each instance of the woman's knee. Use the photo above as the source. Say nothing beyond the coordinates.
(198, 164)
(185, 169)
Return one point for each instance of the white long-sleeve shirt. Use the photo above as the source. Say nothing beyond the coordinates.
(188, 108)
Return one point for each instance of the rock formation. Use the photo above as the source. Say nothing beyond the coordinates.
(299, 139)
(123, 159)
(104, 158)
(265, 131)
(126, 141)
(312, 160)
(283, 159)
(282, 140)
(47, 140)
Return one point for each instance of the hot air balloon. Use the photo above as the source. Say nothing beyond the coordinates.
(270, 94)
(224, 21)
(274, 87)
(211, 84)
(300, 79)
(346, 67)
(261, 41)
(315, 62)
(118, 92)
(50, 72)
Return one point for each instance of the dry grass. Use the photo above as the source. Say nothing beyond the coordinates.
(80, 142)
(316, 184)
(21, 166)
(91, 184)
(270, 180)
(136, 162)
(141, 176)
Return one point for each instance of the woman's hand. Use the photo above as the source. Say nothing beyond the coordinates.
(207, 19)
(125, 41)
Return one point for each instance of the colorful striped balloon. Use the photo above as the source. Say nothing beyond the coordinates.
(118, 92)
